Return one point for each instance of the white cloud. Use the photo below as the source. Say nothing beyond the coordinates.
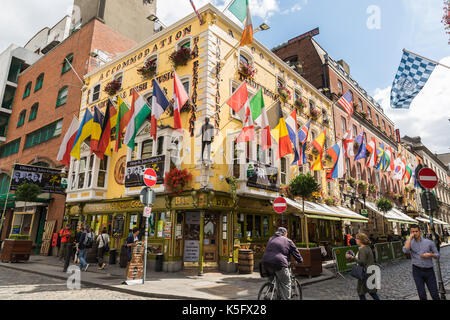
(429, 114)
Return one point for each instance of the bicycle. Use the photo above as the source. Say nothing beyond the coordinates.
(269, 290)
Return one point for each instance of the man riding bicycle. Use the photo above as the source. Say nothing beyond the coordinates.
(276, 260)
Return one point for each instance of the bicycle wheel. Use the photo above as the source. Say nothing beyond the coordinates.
(267, 292)
(297, 293)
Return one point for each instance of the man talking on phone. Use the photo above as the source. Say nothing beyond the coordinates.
(422, 252)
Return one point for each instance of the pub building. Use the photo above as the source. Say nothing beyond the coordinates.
(227, 205)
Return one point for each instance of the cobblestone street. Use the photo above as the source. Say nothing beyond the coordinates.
(396, 282)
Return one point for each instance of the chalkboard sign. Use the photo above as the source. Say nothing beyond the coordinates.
(118, 224)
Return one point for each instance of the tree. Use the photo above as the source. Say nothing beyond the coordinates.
(27, 192)
(384, 205)
(304, 186)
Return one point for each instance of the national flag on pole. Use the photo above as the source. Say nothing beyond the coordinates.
(180, 97)
(381, 155)
(408, 174)
(104, 144)
(346, 102)
(372, 148)
(318, 144)
(259, 116)
(196, 12)
(337, 154)
(97, 124)
(241, 10)
(124, 114)
(159, 105)
(291, 124)
(303, 137)
(348, 144)
(141, 112)
(361, 140)
(248, 130)
(412, 75)
(84, 131)
(399, 170)
(67, 143)
(278, 125)
(389, 160)
(238, 100)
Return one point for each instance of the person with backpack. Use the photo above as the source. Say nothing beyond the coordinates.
(86, 242)
(103, 246)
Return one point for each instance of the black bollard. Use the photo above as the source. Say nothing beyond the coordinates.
(68, 256)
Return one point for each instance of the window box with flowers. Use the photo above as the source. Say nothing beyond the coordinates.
(300, 104)
(364, 114)
(314, 113)
(176, 180)
(148, 71)
(113, 87)
(362, 186)
(372, 188)
(247, 70)
(351, 182)
(285, 94)
(180, 57)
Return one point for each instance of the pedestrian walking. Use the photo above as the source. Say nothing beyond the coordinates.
(86, 242)
(437, 241)
(103, 247)
(76, 260)
(422, 252)
(364, 258)
(64, 235)
(131, 240)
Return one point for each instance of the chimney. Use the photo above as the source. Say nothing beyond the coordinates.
(344, 65)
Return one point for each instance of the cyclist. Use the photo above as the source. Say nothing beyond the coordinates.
(276, 260)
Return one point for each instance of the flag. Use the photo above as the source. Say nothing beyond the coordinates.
(84, 131)
(278, 124)
(348, 143)
(97, 124)
(241, 10)
(399, 170)
(303, 137)
(337, 154)
(346, 102)
(248, 130)
(381, 155)
(361, 140)
(259, 116)
(124, 115)
(238, 101)
(318, 144)
(412, 75)
(404, 168)
(159, 106)
(67, 143)
(104, 144)
(372, 148)
(141, 112)
(180, 97)
(408, 175)
(389, 160)
(196, 11)
(291, 124)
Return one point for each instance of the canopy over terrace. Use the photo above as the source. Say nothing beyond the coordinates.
(436, 221)
(392, 216)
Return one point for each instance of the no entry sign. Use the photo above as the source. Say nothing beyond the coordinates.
(428, 178)
(280, 205)
(150, 177)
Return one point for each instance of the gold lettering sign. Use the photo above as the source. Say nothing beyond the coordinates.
(119, 170)
(183, 201)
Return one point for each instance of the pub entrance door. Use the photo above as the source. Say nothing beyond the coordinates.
(211, 241)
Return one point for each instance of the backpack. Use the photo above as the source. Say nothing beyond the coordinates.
(88, 241)
(105, 245)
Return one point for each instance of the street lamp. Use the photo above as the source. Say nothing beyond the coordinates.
(262, 27)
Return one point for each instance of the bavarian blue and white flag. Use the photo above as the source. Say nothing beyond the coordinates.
(412, 75)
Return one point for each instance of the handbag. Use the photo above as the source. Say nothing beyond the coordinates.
(105, 245)
(358, 272)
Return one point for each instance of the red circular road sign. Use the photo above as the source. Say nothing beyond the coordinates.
(428, 178)
(150, 177)
(280, 205)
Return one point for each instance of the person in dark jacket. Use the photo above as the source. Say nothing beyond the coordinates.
(276, 259)
(134, 237)
(86, 241)
(352, 241)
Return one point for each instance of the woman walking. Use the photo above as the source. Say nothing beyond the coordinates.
(364, 258)
(103, 243)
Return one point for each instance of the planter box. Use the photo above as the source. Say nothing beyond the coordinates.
(312, 262)
(16, 250)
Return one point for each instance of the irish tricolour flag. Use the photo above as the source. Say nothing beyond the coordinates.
(241, 10)
(141, 112)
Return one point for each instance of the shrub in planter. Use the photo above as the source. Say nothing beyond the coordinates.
(176, 180)
(247, 70)
(362, 186)
(19, 237)
(351, 182)
(148, 71)
(372, 188)
(384, 205)
(112, 87)
(285, 94)
(364, 115)
(180, 57)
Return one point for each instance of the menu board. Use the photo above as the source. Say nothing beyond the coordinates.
(191, 250)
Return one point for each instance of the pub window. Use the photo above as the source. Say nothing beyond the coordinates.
(270, 156)
(283, 171)
(148, 98)
(266, 226)
(257, 234)
(249, 230)
(73, 175)
(247, 151)
(245, 57)
(187, 85)
(280, 82)
(154, 58)
(96, 93)
(236, 167)
(101, 180)
(147, 149)
(260, 154)
(160, 146)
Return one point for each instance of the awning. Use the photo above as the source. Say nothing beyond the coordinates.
(436, 221)
(392, 216)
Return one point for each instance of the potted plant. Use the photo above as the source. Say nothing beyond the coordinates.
(351, 182)
(247, 70)
(372, 188)
(299, 103)
(112, 87)
(180, 57)
(364, 114)
(176, 180)
(362, 186)
(285, 94)
(148, 71)
(384, 205)
(314, 112)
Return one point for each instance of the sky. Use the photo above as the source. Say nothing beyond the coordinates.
(368, 34)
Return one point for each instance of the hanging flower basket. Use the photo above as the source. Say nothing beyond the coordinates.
(362, 186)
(247, 70)
(112, 87)
(300, 104)
(176, 180)
(372, 188)
(351, 182)
(315, 113)
(181, 57)
(285, 94)
(148, 71)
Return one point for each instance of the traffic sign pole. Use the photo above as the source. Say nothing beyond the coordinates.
(145, 249)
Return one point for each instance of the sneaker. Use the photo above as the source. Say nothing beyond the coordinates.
(103, 266)
(87, 266)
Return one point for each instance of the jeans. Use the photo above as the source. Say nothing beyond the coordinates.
(426, 276)
(100, 254)
(373, 295)
(284, 283)
(82, 256)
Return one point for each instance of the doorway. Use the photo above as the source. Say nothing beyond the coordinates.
(211, 241)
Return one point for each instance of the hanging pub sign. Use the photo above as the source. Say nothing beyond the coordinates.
(48, 180)
(262, 176)
(135, 170)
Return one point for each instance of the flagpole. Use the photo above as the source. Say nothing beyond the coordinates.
(438, 63)
(228, 6)
(82, 82)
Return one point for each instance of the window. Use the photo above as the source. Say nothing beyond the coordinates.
(359, 171)
(297, 95)
(344, 126)
(21, 118)
(243, 59)
(33, 112)
(260, 154)
(236, 166)
(253, 226)
(9, 148)
(360, 105)
(384, 125)
(280, 83)
(66, 63)
(369, 113)
(369, 176)
(147, 149)
(185, 44)
(186, 84)
(43, 134)
(39, 82)
(89, 171)
(96, 93)
(82, 172)
(283, 171)
(4, 183)
(355, 130)
(119, 77)
(378, 120)
(351, 94)
(340, 88)
(62, 96)
(27, 90)
(160, 146)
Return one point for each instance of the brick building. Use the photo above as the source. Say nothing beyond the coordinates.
(47, 96)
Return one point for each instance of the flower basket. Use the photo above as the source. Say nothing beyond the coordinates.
(315, 113)
(148, 71)
(372, 188)
(351, 182)
(299, 104)
(181, 57)
(285, 94)
(176, 180)
(330, 201)
(362, 186)
(247, 70)
(364, 115)
(112, 87)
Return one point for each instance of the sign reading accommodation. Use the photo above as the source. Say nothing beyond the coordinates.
(48, 180)
(135, 170)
